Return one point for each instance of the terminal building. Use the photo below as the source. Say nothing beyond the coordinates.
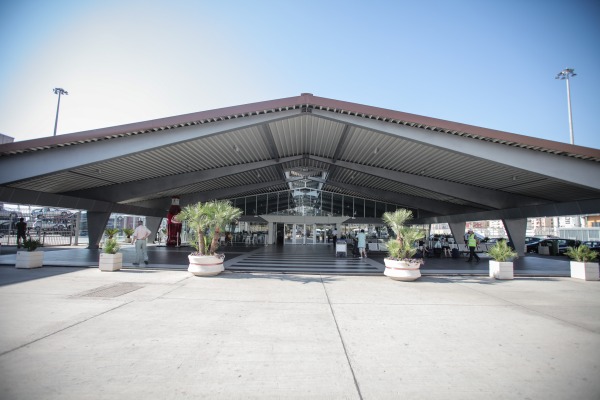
(303, 166)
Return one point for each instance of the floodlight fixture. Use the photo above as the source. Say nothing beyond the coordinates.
(565, 74)
(59, 92)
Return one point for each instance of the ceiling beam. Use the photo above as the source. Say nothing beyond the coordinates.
(130, 190)
(547, 210)
(40, 163)
(486, 197)
(23, 196)
(569, 169)
(267, 136)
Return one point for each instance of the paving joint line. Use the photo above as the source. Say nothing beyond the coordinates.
(342, 341)
(63, 329)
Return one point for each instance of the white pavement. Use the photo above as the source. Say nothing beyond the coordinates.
(78, 334)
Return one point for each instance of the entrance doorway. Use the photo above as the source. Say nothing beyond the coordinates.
(313, 234)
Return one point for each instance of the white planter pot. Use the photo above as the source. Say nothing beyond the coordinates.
(111, 262)
(206, 265)
(588, 271)
(501, 269)
(401, 270)
(29, 259)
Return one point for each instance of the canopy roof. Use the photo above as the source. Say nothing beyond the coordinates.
(443, 170)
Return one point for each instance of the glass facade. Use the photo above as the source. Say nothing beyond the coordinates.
(311, 202)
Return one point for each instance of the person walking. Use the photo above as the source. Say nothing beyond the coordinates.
(362, 243)
(21, 231)
(472, 243)
(140, 236)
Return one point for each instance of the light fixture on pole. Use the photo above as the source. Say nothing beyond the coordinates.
(59, 92)
(566, 74)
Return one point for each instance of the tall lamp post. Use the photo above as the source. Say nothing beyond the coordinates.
(566, 74)
(59, 92)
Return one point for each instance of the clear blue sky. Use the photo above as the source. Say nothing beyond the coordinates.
(485, 63)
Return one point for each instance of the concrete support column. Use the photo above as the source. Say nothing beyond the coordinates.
(458, 231)
(96, 221)
(516, 229)
(153, 223)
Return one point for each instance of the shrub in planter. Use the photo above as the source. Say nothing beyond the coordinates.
(31, 244)
(110, 258)
(30, 258)
(501, 265)
(582, 264)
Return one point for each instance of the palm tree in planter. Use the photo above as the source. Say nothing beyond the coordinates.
(501, 264)
(110, 258)
(208, 220)
(30, 258)
(582, 263)
(400, 264)
(110, 232)
(128, 232)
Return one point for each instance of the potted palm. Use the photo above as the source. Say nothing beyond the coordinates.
(30, 258)
(110, 258)
(110, 232)
(582, 263)
(501, 264)
(128, 232)
(208, 221)
(400, 264)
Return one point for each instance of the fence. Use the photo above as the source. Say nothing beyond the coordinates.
(50, 230)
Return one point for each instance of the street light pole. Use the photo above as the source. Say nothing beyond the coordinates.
(566, 74)
(58, 91)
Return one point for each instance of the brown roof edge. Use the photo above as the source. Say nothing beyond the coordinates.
(308, 99)
(456, 126)
(151, 124)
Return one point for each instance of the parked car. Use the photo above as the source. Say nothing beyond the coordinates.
(50, 212)
(563, 244)
(593, 245)
(49, 225)
(532, 243)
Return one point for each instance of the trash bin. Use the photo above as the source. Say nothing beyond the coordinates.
(341, 248)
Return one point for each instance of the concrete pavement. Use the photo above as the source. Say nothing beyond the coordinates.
(78, 333)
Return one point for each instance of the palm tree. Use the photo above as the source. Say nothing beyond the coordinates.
(223, 213)
(402, 246)
(208, 219)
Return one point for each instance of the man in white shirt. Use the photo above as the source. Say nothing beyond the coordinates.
(140, 236)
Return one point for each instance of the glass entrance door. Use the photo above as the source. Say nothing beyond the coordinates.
(307, 233)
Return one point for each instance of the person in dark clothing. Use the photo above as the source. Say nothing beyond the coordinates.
(21, 231)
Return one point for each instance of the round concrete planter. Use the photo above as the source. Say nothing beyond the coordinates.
(588, 271)
(501, 269)
(401, 270)
(29, 259)
(111, 262)
(206, 265)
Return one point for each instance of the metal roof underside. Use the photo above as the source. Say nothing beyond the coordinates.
(437, 167)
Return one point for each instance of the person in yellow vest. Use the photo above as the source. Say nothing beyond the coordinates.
(472, 243)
